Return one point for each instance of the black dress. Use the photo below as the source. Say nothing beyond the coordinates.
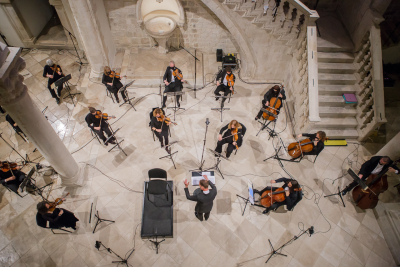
(67, 219)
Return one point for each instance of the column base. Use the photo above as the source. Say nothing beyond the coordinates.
(78, 179)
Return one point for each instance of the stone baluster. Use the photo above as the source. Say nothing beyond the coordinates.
(14, 97)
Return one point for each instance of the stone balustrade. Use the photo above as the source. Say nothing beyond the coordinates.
(370, 106)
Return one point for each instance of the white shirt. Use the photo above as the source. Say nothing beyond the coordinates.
(206, 192)
(377, 169)
(225, 81)
(172, 76)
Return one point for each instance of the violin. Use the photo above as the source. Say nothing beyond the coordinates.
(165, 119)
(104, 116)
(296, 149)
(234, 132)
(7, 166)
(57, 202)
(114, 74)
(377, 184)
(177, 74)
(267, 199)
(55, 68)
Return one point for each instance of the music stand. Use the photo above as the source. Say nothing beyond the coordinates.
(221, 109)
(174, 94)
(250, 199)
(266, 123)
(215, 167)
(123, 90)
(276, 156)
(117, 143)
(339, 193)
(170, 154)
(65, 80)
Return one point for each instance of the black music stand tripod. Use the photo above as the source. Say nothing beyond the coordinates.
(221, 108)
(117, 143)
(339, 193)
(125, 92)
(65, 80)
(200, 169)
(100, 220)
(175, 108)
(266, 123)
(215, 167)
(169, 153)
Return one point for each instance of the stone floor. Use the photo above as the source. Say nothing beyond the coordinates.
(344, 236)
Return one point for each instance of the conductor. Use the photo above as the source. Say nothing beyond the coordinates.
(204, 197)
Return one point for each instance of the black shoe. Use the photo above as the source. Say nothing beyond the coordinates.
(168, 149)
(256, 191)
(206, 217)
(256, 118)
(117, 100)
(58, 101)
(216, 99)
(162, 145)
(199, 216)
(179, 105)
(163, 106)
(112, 142)
(106, 143)
(344, 192)
(266, 211)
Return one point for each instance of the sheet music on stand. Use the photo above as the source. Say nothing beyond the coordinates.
(197, 177)
(357, 179)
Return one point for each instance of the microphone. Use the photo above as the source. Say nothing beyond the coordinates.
(207, 121)
(97, 245)
(311, 230)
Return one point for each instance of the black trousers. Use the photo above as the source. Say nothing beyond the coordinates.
(161, 135)
(52, 92)
(114, 90)
(172, 87)
(14, 184)
(104, 129)
(229, 149)
(276, 204)
(222, 88)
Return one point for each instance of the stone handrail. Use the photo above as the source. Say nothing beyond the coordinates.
(371, 105)
(313, 108)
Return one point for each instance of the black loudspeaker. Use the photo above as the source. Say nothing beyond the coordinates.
(229, 59)
(219, 55)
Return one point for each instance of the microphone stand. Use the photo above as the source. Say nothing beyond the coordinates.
(80, 60)
(200, 169)
(121, 261)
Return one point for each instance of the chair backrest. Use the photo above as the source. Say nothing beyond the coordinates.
(157, 187)
(40, 221)
(157, 173)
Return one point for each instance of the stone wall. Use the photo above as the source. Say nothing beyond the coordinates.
(202, 30)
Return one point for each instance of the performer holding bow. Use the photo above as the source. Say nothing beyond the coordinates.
(98, 123)
(276, 92)
(160, 125)
(10, 175)
(53, 72)
(113, 83)
(233, 136)
(225, 82)
(173, 79)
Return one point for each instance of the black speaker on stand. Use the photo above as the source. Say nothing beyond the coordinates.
(219, 55)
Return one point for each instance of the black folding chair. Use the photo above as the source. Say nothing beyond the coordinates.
(157, 184)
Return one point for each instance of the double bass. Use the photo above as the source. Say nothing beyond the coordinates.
(268, 198)
(377, 184)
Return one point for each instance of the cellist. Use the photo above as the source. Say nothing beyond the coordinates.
(275, 91)
(234, 128)
(376, 165)
(291, 195)
(318, 140)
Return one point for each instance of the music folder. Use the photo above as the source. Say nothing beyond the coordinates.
(197, 176)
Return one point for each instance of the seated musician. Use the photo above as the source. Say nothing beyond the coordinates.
(14, 125)
(376, 165)
(57, 218)
(160, 128)
(113, 84)
(173, 83)
(318, 142)
(275, 91)
(222, 83)
(229, 137)
(53, 72)
(11, 178)
(99, 125)
(291, 196)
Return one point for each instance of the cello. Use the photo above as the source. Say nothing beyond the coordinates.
(268, 198)
(296, 149)
(274, 105)
(377, 184)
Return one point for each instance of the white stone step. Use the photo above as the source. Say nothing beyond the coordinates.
(337, 123)
(339, 90)
(342, 134)
(332, 101)
(330, 78)
(328, 67)
(335, 57)
(337, 112)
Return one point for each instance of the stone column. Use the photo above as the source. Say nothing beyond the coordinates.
(391, 149)
(14, 97)
(92, 22)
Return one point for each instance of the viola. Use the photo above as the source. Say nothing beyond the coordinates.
(114, 74)
(230, 81)
(296, 149)
(104, 116)
(274, 104)
(7, 166)
(57, 202)
(55, 68)
(234, 133)
(163, 118)
(267, 199)
(377, 184)
(177, 74)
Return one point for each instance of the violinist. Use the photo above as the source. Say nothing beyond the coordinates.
(160, 127)
(318, 140)
(113, 83)
(11, 176)
(53, 72)
(275, 91)
(225, 81)
(375, 165)
(173, 82)
(99, 125)
(291, 195)
(233, 136)
(57, 218)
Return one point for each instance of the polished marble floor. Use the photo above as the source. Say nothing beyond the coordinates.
(345, 236)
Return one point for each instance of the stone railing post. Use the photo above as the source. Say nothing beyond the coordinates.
(14, 97)
(312, 74)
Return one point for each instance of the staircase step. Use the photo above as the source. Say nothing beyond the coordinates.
(328, 67)
(337, 123)
(337, 112)
(328, 78)
(341, 134)
(335, 57)
(338, 90)
(333, 101)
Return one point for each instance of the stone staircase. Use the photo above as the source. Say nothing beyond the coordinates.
(336, 77)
